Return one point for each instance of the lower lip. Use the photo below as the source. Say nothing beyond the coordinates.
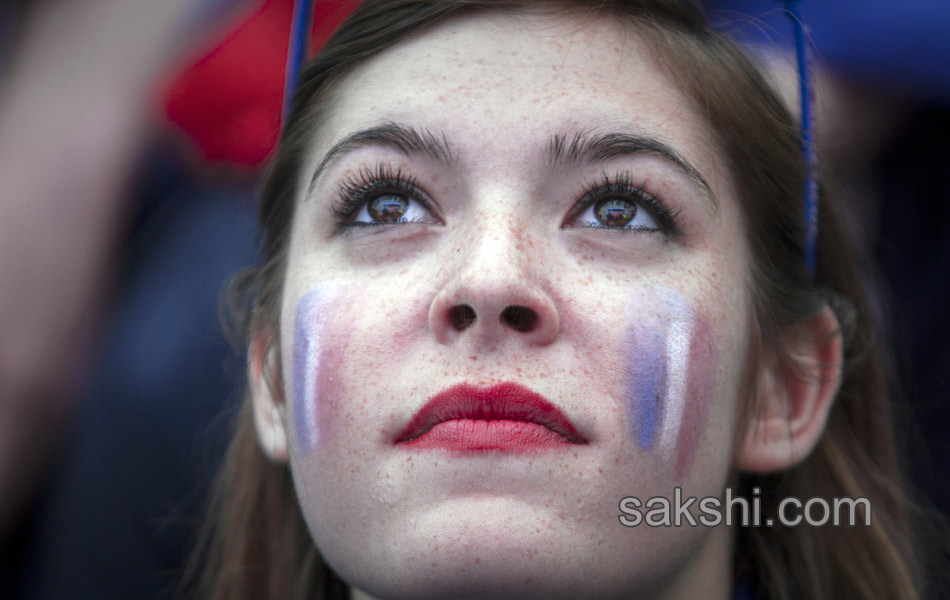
(478, 435)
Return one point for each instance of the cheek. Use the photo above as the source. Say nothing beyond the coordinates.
(340, 358)
(317, 349)
(670, 376)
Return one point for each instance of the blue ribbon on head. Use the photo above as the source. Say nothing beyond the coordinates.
(297, 52)
(806, 99)
(299, 46)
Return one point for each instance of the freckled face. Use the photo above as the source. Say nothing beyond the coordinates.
(536, 204)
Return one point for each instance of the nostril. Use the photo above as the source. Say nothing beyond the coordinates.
(461, 316)
(519, 318)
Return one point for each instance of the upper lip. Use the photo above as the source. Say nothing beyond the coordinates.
(503, 401)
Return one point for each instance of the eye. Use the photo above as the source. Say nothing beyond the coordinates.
(621, 204)
(381, 197)
(392, 208)
(618, 213)
(387, 208)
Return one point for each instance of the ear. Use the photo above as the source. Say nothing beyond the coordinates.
(793, 402)
(267, 396)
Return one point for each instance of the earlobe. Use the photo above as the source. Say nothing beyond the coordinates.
(267, 397)
(793, 402)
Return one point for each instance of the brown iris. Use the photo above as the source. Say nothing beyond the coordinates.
(615, 212)
(388, 208)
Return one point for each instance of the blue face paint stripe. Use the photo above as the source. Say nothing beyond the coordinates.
(647, 386)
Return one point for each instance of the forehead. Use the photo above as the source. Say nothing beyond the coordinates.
(499, 84)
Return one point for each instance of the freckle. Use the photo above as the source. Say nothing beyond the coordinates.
(477, 560)
(434, 565)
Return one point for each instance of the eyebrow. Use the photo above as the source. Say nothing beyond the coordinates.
(407, 140)
(582, 147)
(591, 148)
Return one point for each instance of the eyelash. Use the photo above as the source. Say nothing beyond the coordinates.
(622, 185)
(355, 191)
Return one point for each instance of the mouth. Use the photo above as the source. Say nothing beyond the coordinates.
(505, 417)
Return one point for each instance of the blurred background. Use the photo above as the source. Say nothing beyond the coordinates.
(133, 134)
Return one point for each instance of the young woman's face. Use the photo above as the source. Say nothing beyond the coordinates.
(516, 294)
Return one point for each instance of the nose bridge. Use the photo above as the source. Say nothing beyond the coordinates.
(494, 246)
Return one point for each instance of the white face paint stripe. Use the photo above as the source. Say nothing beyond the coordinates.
(309, 338)
(313, 372)
(677, 365)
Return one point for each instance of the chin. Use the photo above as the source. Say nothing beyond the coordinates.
(492, 577)
(504, 553)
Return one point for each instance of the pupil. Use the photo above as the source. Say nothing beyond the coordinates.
(615, 212)
(388, 208)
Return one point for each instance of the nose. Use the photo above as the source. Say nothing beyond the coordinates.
(493, 297)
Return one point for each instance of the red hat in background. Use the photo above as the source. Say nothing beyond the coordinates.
(228, 100)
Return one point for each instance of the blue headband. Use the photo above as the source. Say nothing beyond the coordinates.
(805, 91)
(297, 53)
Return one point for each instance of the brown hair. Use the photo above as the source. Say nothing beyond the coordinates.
(257, 543)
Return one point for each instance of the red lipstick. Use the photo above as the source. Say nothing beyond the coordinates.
(505, 417)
